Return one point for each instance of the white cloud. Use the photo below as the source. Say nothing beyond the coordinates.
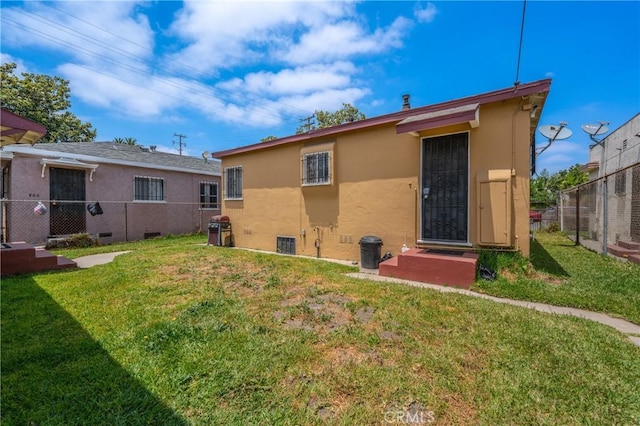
(79, 30)
(345, 39)
(427, 14)
(222, 35)
(227, 34)
(300, 80)
(284, 58)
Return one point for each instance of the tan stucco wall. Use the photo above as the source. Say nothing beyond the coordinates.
(374, 190)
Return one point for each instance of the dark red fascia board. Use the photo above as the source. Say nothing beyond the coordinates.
(9, 119)
(441, 121)
(525, 89)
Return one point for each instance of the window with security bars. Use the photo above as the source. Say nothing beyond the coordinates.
(316, 169)
(233, 183)
(621, 182)
(208, 195)
(286, 245)
(148, 189)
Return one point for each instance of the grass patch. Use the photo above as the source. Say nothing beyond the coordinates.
(175, 333)
(561, 273)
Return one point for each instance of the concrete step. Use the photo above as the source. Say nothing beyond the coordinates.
(629, 245)
(616, 250)
(433, 266)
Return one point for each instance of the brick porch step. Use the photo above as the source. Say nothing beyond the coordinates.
(635, 258)
(619, 251)
(629, 245)
(21, 258)
(432, 266)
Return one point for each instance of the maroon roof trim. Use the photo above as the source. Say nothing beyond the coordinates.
(540, 86)
(433, 120)
(9, 119)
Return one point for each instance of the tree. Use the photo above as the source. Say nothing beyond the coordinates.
(545, 187)
(346, 114)
(126, 141)
(45, 100)
(268, 138)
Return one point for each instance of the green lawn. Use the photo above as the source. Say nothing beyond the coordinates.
(176, 333)
(568, 275)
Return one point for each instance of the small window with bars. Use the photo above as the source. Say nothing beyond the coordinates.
(621, 183)
(233, 183)
(286, 245)
(148, 189)
(316, 169)
(208, 195)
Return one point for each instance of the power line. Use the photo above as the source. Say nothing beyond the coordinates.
(69, 30)
(524, 10)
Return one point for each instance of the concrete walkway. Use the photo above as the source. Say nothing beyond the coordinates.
(97, 259)
(621, 325)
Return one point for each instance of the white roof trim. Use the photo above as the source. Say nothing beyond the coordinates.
(69, 163)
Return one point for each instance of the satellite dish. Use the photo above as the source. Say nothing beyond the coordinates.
(553, 133)
(206, 155)
(596, 130)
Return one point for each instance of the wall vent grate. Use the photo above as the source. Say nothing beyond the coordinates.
(286, 245)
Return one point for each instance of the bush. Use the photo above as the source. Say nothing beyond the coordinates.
(74, 241)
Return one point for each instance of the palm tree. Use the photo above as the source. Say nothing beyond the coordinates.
(126, 141)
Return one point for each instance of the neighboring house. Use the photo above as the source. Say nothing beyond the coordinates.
(142, 192)
(620, 149)
(613, 158)
(449, 175)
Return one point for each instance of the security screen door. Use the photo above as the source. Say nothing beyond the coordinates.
(66, 186)
(445, 188)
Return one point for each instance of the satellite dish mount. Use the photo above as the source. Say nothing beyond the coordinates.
(553, 133)
(206, 155)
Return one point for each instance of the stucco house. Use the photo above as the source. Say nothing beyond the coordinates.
(453, 175)
(141, 192)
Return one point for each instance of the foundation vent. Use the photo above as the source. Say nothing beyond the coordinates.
(286, 245)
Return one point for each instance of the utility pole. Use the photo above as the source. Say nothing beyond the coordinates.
(180, 143)
(308, 120)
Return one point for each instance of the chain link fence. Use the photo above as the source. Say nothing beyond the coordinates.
(39, 221)
(603, 212)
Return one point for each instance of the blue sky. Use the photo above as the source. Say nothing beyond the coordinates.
(227, 74)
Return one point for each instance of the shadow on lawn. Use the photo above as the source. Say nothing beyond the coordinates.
(53, 372)
(543, 261)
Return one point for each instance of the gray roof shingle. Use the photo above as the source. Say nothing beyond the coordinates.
(127, 154)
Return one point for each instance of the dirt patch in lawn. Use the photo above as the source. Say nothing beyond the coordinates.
(321, 313)
(534, 275)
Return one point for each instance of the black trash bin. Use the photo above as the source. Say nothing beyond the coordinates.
(370, 249)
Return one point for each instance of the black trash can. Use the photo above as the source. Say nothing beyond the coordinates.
(370, 249)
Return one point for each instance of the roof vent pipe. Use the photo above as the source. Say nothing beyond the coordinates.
(405, 101)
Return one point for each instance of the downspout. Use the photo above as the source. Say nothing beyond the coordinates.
(513, 172)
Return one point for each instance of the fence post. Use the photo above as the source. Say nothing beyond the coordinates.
(126, 225)
(605, 217)
(2, 228)
(578, 216)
